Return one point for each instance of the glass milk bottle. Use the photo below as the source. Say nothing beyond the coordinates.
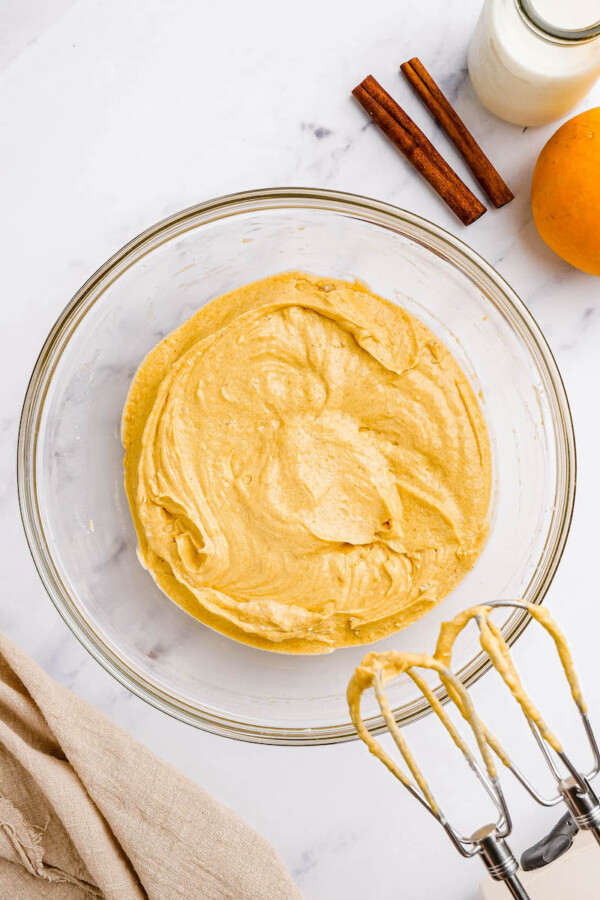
(531, 61)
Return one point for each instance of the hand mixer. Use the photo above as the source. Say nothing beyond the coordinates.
(377, 669)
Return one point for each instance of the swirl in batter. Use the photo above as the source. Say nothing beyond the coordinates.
(307, 466)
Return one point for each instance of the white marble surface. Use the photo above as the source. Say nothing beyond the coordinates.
(114, 114)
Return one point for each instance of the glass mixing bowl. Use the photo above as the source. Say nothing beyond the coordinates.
(70, 472)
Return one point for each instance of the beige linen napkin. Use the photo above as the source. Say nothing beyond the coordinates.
(86, 811)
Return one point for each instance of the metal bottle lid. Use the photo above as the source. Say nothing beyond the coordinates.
(544, 28)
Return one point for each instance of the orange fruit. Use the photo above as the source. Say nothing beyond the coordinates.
(565, 192)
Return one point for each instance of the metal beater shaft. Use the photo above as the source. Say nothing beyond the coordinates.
(498, 859)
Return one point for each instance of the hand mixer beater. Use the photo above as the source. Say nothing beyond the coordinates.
(376, 670)
(489, 841)
(573, 786)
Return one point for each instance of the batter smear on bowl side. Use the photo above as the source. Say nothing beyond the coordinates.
(307, 465)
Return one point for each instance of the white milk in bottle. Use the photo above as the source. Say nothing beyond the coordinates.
(531, 61)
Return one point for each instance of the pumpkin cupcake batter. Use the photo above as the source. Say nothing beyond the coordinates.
(307, 466)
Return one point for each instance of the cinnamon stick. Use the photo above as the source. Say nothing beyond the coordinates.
(445, 114)
(410, 140)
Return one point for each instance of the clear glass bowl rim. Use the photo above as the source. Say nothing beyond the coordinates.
(376, 212)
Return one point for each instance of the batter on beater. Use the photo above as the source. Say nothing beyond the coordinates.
(378, 669)
(306, 464)
(496, 648)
